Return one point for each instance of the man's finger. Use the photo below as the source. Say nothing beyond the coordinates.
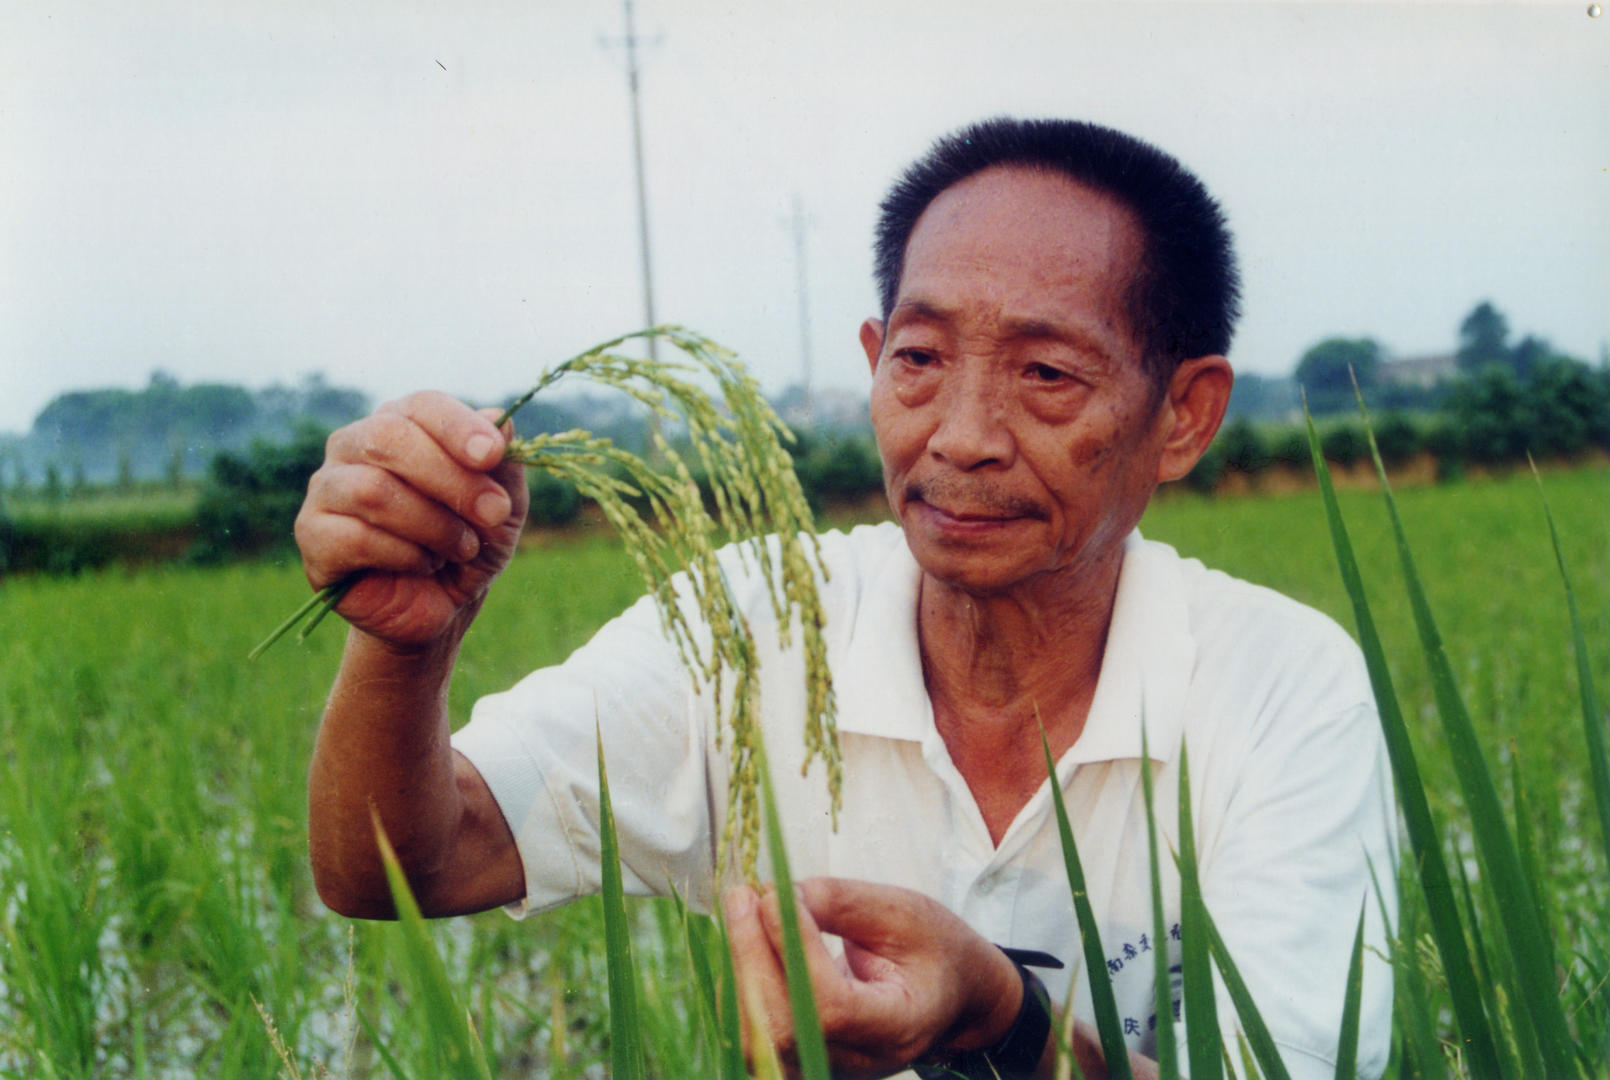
(875, 916)
(437, 445)
(762, 989)
(826, 973)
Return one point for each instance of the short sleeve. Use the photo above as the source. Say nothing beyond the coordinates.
(535, 745)
(1308, 827)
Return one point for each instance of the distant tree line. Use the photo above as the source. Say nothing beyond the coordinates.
(1501, 403)
(165, 432)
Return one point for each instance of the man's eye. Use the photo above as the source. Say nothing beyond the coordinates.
(1046, 373)
(916, 357)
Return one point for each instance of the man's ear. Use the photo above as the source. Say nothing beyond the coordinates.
(1193, 407)
(872, 342)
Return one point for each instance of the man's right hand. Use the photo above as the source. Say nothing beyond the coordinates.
(418, 498)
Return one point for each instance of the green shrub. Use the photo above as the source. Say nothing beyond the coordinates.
(1208, 471)
(1343, 445)
(249, 503)
(837, 467)
(1244, 449)
(553, 501)
(1397, 437)
(1290, 447)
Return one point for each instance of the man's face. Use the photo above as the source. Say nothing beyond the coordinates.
(1018, 434)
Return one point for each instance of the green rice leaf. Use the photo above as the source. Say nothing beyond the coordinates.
(1203, 1043)
(1347, 1042)
(731, 1034)
(1101, 997)
(1411, 1003)
(1257, 1035)
(1525, 935)
(446, 1021)
(625, 1025)
(1168, 1053)
(809, 1043)
(1526, 844)
(1424, 839)
(1592, 718)
(387, 1058)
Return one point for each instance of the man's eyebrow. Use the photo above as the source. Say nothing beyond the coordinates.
(1026, 327)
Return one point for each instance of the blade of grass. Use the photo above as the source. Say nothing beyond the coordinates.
(809, 1042)
(1526, 845)
(1412, 1001)
(1424, 838)
(1510, 1060)
(1256, 1033)
(1525, 935)
(732, 1057)
(1168, 1051)
(1203, 1044)
(1347, 1042)
(1592, 718)
(625, 1026)
(1101, 996)
(393, 1066)
(447, 1021)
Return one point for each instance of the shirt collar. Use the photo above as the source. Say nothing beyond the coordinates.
(1145, 668)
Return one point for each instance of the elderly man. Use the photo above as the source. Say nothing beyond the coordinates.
(1057, 299)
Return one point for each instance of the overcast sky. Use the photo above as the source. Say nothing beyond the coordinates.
(403, 195)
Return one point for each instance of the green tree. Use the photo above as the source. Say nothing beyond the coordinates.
(1493, 415)
(1323, 372)
(1483, 339)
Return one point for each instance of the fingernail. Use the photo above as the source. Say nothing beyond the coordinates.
(469, 545)
(491, 508)
(739, 903)
(478, 447)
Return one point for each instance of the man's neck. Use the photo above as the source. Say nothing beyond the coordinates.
(998, 665)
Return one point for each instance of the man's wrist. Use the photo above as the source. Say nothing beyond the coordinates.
(1015, 1051)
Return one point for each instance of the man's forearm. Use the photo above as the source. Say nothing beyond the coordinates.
(382, 748)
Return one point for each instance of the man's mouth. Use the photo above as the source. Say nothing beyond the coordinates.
(969, 503)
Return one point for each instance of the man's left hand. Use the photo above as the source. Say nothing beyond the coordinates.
(914, 978)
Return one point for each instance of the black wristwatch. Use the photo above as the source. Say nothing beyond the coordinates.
(1017, 1054)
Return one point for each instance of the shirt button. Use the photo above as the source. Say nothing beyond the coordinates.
(987, 884)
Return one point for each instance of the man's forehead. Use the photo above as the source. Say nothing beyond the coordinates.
(1049, 257)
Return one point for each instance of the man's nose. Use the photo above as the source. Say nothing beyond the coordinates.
(973, 429)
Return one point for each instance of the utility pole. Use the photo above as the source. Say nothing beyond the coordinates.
(798, 221)
(630, 41)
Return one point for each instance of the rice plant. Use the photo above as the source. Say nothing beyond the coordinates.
(738, 448)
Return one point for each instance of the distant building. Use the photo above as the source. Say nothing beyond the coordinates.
(1422, 372)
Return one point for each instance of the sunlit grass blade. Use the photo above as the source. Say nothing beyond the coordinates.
(1347, 1042)
(1424, 839)
(1525, 935)
(447, 1022)
(1102, 1001)
(625, 1026)
(1168, 1063)
(809, 1043)
(1201, 1011)
(1593, 720)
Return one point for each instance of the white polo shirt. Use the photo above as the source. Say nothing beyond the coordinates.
(1290, 787)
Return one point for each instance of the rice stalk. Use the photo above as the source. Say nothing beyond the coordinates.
(736, 441)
